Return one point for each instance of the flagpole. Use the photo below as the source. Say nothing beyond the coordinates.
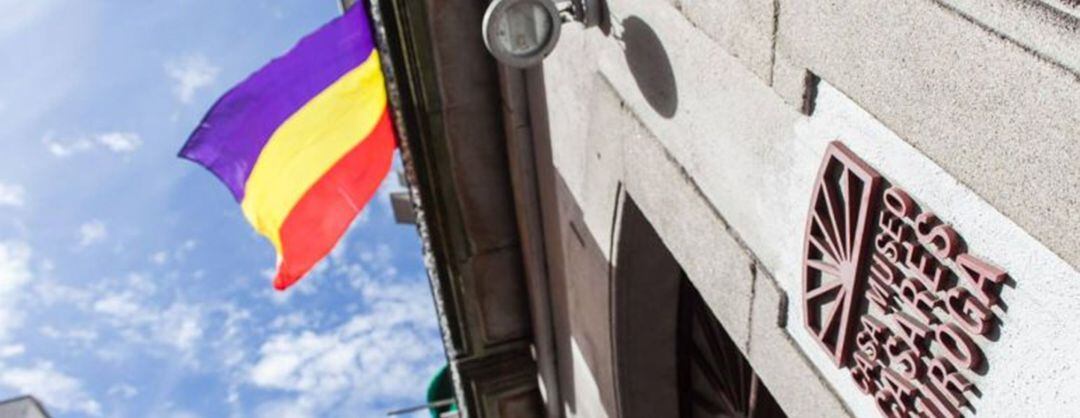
(433, 405)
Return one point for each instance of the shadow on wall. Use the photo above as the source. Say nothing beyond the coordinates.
(650, 66)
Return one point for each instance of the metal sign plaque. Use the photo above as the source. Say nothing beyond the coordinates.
(891, 293)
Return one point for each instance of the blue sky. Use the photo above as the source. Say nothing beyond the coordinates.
(130, 284)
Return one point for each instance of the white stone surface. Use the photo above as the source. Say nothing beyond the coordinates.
(754, 159)
(1033, 365)
(1036, 24)
(743, 27)
(698, 239)
(794, 385)
(978, 99)
(586, 393)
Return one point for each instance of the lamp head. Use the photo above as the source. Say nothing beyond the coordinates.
(520, 33)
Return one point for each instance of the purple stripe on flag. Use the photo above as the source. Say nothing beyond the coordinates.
(235, 130)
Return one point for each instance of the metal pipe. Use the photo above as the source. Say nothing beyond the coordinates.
(436, 404)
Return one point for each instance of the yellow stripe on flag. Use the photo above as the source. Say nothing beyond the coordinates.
(309, 143)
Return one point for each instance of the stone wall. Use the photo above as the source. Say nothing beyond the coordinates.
(713, 116)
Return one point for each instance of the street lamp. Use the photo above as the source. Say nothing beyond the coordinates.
(521, 33)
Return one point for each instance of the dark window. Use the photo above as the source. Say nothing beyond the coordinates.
(715, 379)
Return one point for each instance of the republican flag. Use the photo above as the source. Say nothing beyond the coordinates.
(304, 142)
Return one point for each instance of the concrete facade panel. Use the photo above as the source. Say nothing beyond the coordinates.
(569, 102)
(1047, 28)
(726, 178)
(23, 407)
(501, 303)
(603, 148)
(1026, 371)
(698, 237)
(587, 399)
(580, 294)
(694, 233)
(770, 343)
(743, 27)
(977, 103)
(473, 131)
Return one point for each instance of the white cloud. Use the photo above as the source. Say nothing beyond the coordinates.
(140, 283)
(117, 142)
(120, 142)
(179, 254)
(12, 195)
(373, 263)
(230, 340)
(191, 73)
(56, 389)
(159, 258)
(180, 326)
(92, 232)
(382, 355)
(123, 390)
(294, 320)
(66, 147)
(382, 255)
(14, 274)
(133, 308)
(50, 292)
(131, 317)
(119, 304)
(7, 351)
(19, 15)
(80, 337)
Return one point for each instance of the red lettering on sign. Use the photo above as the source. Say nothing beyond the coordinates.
(932, 403)
(916, 334)
(942, 238)
(969, 312)
(985, 278)
(897, 395)
(865, 372)
(924, 266)
(899, 203)
(880, 293)
(893, 227)
(908, 307)
(919, 300)
(945, 378)
(958, 347)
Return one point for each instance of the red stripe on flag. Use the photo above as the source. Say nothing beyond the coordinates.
(325, 211)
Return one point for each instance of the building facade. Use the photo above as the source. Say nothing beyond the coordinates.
(752, 207)
(22, 407)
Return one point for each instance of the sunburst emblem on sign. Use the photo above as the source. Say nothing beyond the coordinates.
(891, 293)
(836, 241)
